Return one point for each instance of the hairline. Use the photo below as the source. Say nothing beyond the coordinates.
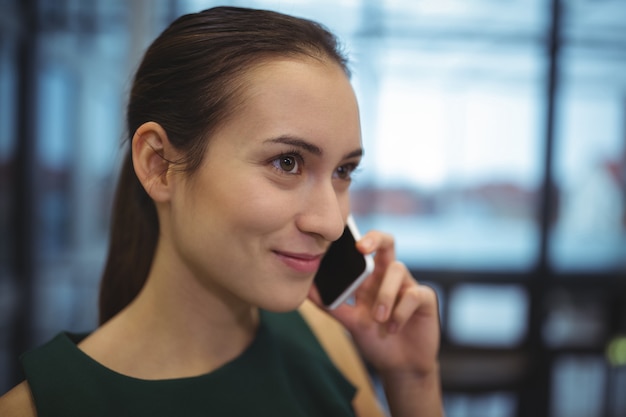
(241, 82)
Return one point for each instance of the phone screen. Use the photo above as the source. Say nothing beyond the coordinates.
(342, 268)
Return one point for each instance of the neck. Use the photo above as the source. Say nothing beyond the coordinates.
(178, 304)
(179, 328)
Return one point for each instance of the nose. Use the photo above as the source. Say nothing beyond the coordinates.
(324, 211)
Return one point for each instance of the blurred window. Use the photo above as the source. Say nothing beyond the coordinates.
(578, 386)
(497, 404)
(453, 143)
(575, 320)
(590, 147)
(487, 315)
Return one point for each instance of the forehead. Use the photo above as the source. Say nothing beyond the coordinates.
(306, 97)
(300, 71)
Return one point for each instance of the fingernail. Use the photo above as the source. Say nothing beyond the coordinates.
(366, 243)
(380, 313)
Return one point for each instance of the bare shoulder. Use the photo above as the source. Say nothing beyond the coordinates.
(339, 346)
(18, 402)
(336, 342)
(319, 319)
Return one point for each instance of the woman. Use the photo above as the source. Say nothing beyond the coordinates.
(244, 134)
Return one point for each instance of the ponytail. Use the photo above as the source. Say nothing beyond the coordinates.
(134, 233)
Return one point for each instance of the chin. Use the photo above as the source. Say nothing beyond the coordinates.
(283, 304)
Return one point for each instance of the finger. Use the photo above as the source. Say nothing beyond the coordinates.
(416, 299)
(388, 291)
(381, 243)
(367, 292)
(345, 314)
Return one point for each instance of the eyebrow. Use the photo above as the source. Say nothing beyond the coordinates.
(309, 147)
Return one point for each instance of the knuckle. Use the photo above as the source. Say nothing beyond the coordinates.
(390, 239)
(398, 267)
(413, 294)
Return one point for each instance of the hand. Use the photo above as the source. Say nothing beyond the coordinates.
(394, 321)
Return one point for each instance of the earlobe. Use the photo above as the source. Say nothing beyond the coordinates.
(151, 165)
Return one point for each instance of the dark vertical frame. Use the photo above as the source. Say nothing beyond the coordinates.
(536, 395)
(23, 187)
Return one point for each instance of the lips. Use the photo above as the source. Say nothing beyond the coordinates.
(300, 262)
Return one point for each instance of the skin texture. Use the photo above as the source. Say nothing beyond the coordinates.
(247, 230)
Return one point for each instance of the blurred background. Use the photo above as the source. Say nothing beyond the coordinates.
(495, 137)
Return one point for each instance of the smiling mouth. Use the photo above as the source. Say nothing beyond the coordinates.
(300, 262)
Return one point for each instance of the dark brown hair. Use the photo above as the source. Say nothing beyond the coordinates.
(188, 82)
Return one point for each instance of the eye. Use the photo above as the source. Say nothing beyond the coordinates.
(287, 163)
(345, 172)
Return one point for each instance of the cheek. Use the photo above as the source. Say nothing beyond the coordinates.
(343, 198)
(256, 205)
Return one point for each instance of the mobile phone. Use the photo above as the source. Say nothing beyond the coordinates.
(343, 268)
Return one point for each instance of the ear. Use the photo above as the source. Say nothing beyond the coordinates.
(149, 147)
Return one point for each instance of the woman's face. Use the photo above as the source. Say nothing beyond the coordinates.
(272, 193)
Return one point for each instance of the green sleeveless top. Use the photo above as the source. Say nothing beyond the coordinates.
(284, 372)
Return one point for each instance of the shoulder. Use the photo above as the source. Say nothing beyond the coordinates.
(18, 402)
(339, 346)
(336, 342)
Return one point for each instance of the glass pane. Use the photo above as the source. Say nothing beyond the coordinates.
(617, 399)
(486, 405)
(82, 76)
(578, 386)
(487, 315)
(451, 108)
(590, 166)
(54, 154)
(574, 320)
